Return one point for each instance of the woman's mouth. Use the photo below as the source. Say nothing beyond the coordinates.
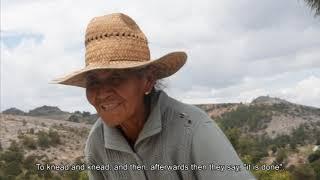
(108, 106)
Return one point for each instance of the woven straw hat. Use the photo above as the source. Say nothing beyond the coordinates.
(115, 41)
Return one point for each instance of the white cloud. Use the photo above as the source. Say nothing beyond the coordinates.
(306, 91)
(303, 90)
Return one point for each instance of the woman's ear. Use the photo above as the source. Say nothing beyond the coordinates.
(90, 96)
(150, 81)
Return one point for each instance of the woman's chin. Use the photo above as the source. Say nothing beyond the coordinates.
(112, 117)
(111, 121)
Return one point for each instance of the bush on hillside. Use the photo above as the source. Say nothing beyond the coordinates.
(304, 171)
(314, 156)
(29, 142)
(11, 160)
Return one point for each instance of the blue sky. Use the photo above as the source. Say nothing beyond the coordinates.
(12, 40)
(237, 50)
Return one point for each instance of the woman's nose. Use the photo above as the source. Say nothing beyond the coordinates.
(104, 91)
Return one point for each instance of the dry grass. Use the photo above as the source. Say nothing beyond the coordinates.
(73, 136)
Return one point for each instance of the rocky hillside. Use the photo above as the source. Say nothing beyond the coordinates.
(24, 128)
(273, 131)
(267, 100)
(28, 140)
(14, 111)
(273, 116)
(53, 112)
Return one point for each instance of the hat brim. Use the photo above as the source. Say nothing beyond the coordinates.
(164, 67)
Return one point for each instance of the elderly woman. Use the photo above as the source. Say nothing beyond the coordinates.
(142, 133)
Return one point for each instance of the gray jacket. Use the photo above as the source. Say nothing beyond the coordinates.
(178, 141)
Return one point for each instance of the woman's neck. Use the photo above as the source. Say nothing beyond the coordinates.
(132, 127)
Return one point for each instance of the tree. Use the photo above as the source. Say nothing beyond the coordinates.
(315, 5)
(86, 114)
(304, 171)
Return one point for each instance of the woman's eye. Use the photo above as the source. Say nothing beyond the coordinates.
(91, 84)
(116, 80)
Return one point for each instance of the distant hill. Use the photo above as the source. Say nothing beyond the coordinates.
(267, 100)
(50, 112)
(14, 111)
(264, 114)
(53, 112)
(45, 111)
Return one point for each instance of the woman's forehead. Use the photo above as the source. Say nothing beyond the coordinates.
(99, 73)
(103, 73)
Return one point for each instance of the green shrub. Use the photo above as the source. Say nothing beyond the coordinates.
(247, 159)
(29, 142)
(13, 153)
(31, 131)
(299, 135)
(86, 114)
(48, 139)
(29, 163)
(316, 167)
(272, 175)
(54, 137)
(74, 118)
(281, 141)
(273, 148)
(46, 174)
(314, 156)
(84, 175)
(20, 134)
(304, 171)
(253, 117)
(281, 156)
(12, 169)
(11, 161)
(293, 145)
(71, 175)
(233, 135)
(43, 139)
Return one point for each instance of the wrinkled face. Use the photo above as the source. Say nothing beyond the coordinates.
(116, 95)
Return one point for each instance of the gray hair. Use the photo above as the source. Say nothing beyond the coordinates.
(142, 72)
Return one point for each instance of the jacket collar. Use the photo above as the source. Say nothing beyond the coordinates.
(113, 138)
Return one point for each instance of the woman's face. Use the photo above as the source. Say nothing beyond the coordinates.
(116, 95)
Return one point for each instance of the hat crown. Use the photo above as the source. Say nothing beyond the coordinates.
(115, 37)
(113, 24)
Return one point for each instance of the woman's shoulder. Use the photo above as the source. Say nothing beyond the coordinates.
(96, 129)
(95, 136)
(192, 113)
